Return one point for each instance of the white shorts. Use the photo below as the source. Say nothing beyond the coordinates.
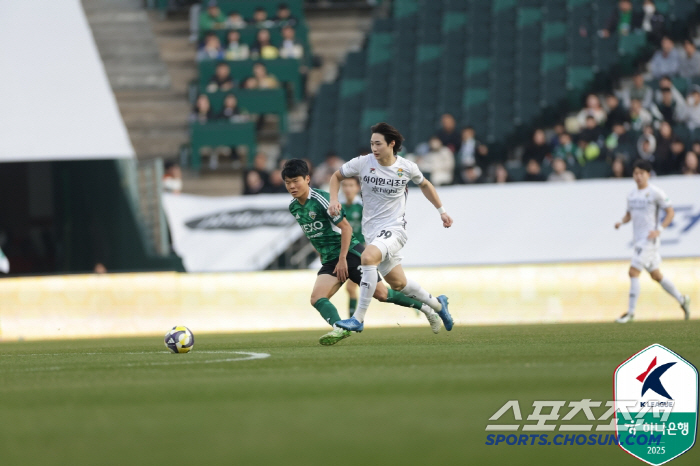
(390, 243)
(646, 257)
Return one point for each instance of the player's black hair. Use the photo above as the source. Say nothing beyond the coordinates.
(295, 167)
(643, 165)
(390, 134)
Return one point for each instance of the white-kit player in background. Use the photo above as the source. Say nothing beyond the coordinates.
(644, 205)
(384, 177)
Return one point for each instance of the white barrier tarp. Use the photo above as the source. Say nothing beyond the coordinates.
(224, 234)
(494, 224)
(57, 102)
(543, 222)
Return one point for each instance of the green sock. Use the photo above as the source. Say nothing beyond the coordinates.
(352, 306)
(327, 310)
(400, 299)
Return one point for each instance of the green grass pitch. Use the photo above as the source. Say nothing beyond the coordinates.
(384, 397)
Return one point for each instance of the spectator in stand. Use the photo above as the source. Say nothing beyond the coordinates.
(250, 83)
(253, 183)
(472, 174)
(677, 154)
(500, 174)
(619, 142)
(639, 116)
(665, 61)
(538, 149)
(235, 21)
(592, 108)
(558, 130)
(639, 90)
(172, 178)
(260, 19)
(533, 171)
(559, 171)
(653, 22)
(616, 114)
(689, 61)
(448, 133)
(211, 50)
(290, 47)
(323, 173)
(695, 147)
(690, 164)
(276, 185)
(202, 112)
(663, 158)
(586, 152)
(236, 50)
(284, 16)
(689, 111)
(231, 111)
(212, 18)
(262, 47)
(618, 168)
(666, 109)
(646, 146)
(222, 80)
(438, 163)
(566, 149)
(467, 150)
(623, 20)
(592, 132)
(263, 78)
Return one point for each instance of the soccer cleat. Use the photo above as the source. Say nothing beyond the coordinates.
(445, 313)
(351, 324)
(624, 318)
(334, 336)
(686, 306)
(435, 322)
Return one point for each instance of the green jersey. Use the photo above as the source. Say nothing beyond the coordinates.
(353, 212)
(319, 226)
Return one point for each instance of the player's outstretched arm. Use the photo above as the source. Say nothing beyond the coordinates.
(431, 194)
(624, 220)
(334, 205)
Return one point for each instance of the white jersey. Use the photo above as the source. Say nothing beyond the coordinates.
(645, 205)
(384, 191)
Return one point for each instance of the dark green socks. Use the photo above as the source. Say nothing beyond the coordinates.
(327, 310)
(352, 306)
(400, 299)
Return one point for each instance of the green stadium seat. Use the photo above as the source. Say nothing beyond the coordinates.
(596, 169)
(258, 101)
(220, 134)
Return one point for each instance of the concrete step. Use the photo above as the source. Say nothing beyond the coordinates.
(224, 183)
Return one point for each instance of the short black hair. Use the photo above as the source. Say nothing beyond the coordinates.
(295, 167)
(390, 134)
(643, 165)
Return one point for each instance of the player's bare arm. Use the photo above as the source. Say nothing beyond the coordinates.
(341, 268)
(624, 220)
(667, 221)
(334, 207)
(431, 195)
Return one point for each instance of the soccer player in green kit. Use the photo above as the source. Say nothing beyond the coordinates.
(353, 213)
(340, 251)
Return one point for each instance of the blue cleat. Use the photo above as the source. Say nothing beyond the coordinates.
(445, 313)
(351, 324)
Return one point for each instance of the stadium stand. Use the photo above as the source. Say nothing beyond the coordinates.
(478, 61)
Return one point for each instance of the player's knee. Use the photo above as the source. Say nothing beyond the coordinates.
(399, 285)
(368, 259)
(314, 299)
(656, 275)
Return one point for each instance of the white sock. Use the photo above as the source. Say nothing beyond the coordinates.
(634, 294)
(368, 286)
(414, 290)
(671, 289)
(427, 310)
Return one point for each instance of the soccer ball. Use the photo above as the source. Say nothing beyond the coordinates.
(179, 339)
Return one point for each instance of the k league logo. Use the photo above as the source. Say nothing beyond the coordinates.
(663, 390)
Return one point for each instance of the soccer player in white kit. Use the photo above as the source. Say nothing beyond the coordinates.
(643, 207)
(384, 177)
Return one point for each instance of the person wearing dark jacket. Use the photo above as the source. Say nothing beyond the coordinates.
(623, 20)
